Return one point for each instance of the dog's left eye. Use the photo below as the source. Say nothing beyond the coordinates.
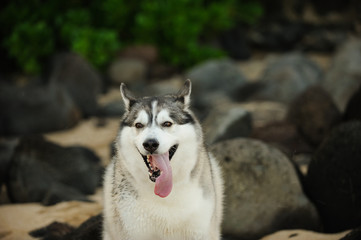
(167, 124)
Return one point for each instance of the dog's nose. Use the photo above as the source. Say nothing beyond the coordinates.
(151, 145)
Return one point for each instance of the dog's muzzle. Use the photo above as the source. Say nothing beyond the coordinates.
(153, 170)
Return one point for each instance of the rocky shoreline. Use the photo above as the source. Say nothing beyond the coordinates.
(287, 134)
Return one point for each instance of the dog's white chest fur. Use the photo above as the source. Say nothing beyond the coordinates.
(184, 214)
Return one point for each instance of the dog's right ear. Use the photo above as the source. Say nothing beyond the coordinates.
(184, 93)
(127, 96)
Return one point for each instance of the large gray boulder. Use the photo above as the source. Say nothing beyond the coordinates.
(262, 191)
(82, 82)
(36, 109)
(344, 76)
(215, 79)
(128, 70)
(286, 77)
(42, 171)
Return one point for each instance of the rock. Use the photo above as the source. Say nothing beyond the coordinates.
(128, 71)
(333, 181)
(355, 234)
(227, 121)
(42, 171)
(7, 147)
(276, 35)
(35, 109)
(323, 7)
(323, 39)
(287, 77)
(161, 71)
(214, 78)
(146, 53)
(89, 134)
(352, 111)
(162, 87)
(263, 193)
(17, 220)
(79, 78)
(284, 136)
(302, 235)
(234, 42)
(343, 78)
(112, 109)
(314, 113)
(265, 112)
(91, 229)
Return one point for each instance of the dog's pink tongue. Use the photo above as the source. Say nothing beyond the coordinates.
(163, 183)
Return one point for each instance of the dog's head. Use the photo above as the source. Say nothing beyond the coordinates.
(155, 130)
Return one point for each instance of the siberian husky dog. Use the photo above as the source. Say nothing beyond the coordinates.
(162, 183)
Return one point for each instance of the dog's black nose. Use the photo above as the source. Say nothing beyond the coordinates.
(151, 145)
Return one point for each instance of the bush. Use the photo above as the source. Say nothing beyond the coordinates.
(35, 29)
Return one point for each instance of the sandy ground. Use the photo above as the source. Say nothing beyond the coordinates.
(17, 220)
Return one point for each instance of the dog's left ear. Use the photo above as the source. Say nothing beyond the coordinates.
(184, 95)
(127, 96)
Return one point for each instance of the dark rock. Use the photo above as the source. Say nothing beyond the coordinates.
(91, 229)
(7, 147)
(355, 234)
(59, 192)
(284, 136)
(287, 77)
(53, 231)
(111, 109)
(314, 113)
(35, 109)
(344, 76)
(323, 39)
(227, 121)
(215, 79)
(276, 35)
(79, 78)
(333, 181)
(42, 171)
(353, 107)
(324, 6)
(262, 191)
(234, 42)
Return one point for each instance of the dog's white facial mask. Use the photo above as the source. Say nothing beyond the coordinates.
(157, 131)
(155, 123)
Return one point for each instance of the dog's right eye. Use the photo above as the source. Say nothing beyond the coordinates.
(139, 125)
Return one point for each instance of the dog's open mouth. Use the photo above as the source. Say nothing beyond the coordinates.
(160, 171)
(153, 169)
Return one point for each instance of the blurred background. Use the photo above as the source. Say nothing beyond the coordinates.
(276, 85)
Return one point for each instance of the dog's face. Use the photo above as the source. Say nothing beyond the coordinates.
(155, 130)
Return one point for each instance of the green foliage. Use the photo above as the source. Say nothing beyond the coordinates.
(94, 44)
(35, 29)
(28, 42)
